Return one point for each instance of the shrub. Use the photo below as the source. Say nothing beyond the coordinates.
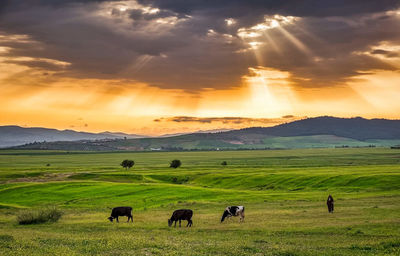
(47, 214)
(224, 163)
(175, 163)
(127, 164)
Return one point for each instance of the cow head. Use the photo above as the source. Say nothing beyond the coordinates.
(226, 214)
(111, 219)
(169, 222)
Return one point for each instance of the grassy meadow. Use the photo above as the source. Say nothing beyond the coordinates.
(283, 191)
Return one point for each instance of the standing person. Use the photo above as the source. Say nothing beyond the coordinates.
(329, 203)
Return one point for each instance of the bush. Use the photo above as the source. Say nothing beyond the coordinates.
(224, 163)
(127, 164)
(175, 163)
(48, 214)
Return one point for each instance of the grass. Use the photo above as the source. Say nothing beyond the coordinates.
(284, 192)
(38, 216)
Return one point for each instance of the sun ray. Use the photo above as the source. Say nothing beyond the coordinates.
(296, 42)
(272, 43)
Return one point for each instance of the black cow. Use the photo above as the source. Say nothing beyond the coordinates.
(182, 214)
(233, 211)
(329, 203)
(121, 211)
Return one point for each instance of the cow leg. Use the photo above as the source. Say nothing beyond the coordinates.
(180, 223)
(175, 223)
(117, 219)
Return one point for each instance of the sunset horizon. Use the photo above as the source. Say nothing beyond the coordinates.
(199, 125)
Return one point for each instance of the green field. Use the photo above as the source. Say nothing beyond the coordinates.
(284, 192)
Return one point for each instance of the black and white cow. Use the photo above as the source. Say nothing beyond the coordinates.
(233, 211)
(121, 211)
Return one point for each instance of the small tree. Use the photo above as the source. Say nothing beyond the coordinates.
(224, 163)
(175, 163)
(127, 164)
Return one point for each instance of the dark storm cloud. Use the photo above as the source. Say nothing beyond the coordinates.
(302, 8)
(56, 3)
(336, 48)
(99, 40)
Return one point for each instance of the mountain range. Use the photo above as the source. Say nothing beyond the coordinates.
(12, 135)
(306, 133)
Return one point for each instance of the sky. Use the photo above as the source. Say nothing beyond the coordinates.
(172, 66)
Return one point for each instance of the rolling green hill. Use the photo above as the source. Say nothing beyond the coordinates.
(283, 191)
(213, 142)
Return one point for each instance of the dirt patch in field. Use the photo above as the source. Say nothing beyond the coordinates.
(43, 178)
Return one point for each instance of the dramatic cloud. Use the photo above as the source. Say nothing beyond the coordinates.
(122, 64)
(239, 8)
(192, 45)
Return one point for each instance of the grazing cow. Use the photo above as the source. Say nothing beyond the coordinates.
(233, 211)
(329, 203)
(182, 214)
(121, 211)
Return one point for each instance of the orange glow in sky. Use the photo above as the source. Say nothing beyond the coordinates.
(124, 66)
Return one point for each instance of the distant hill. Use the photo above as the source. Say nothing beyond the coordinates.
(356, 128)
(16, 135)
(307, 133)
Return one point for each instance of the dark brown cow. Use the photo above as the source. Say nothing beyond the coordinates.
(182, 214)
(121, 211)
(329, 203)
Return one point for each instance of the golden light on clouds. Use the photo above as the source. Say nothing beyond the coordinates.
(381, 89)
(98, 105)
(271, 94)
(120, 65)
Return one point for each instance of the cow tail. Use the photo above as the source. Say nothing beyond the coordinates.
(243, 211)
